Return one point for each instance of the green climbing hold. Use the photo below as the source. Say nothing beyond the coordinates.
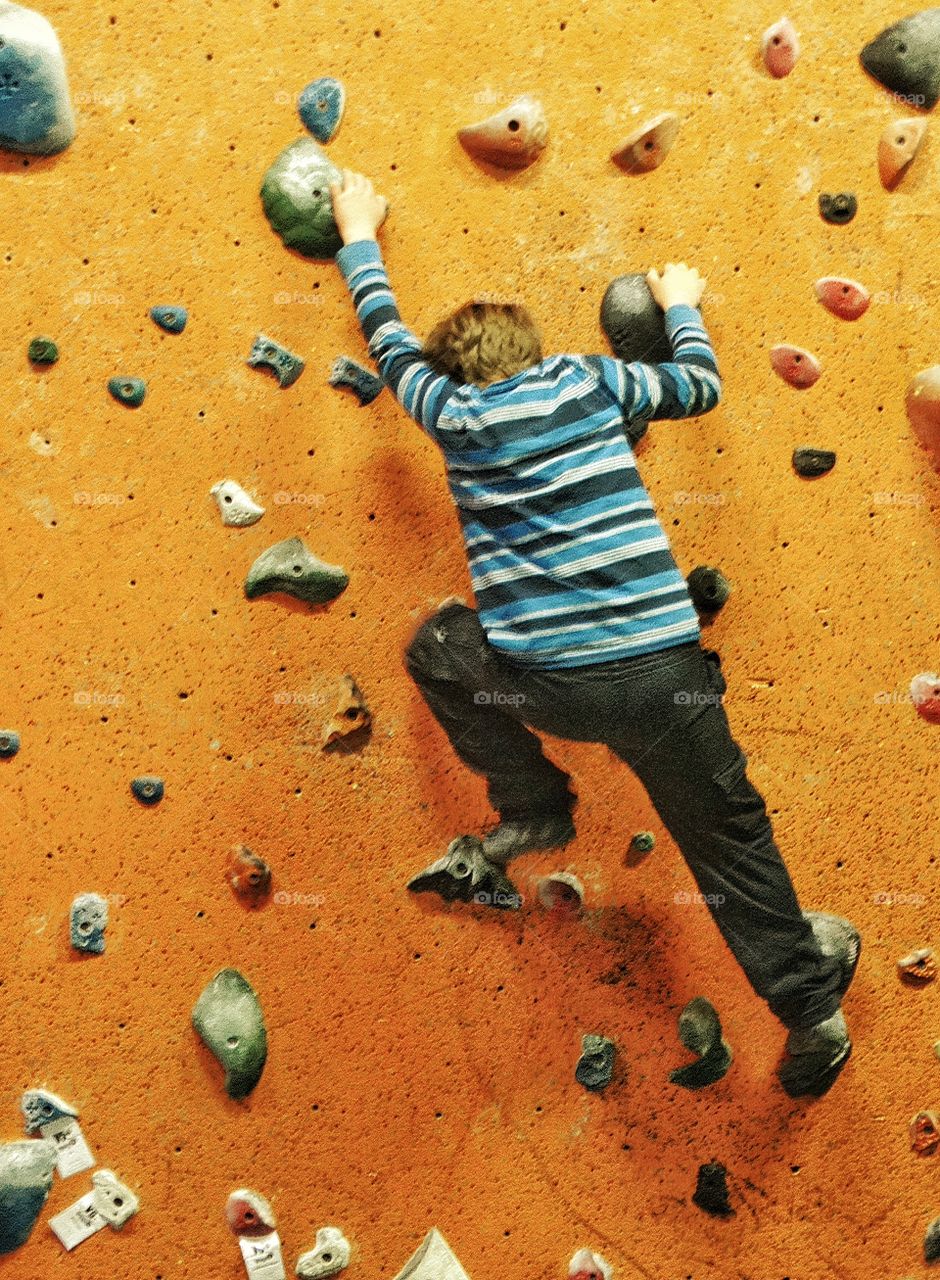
(296, 198)
(643, 842)
(230, 1023)
(43, 351)
(290, 566)
(700, 1031)
(129, 391)
(25, 1181)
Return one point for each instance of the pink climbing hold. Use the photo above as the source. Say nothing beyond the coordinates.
(780, 46)
(798, 367)
(898, 146)
(510, 139)
(844, 298)
(923, 410)
(925, 691)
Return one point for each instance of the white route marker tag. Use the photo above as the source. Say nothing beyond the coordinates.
(79, 1221)
(263, 1257)
(74, 1153)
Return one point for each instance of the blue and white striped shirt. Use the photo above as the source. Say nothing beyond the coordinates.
(568, 561)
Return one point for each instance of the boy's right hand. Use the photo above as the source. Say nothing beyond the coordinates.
(678, 285)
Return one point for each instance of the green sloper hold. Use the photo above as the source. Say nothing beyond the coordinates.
(25, 1179)
(291, 567)
(229, 1020)
(700, 1031)
(296, 198)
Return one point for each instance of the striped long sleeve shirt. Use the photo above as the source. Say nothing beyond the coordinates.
(568, 561)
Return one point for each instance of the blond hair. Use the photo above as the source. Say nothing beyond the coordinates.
(483, 342)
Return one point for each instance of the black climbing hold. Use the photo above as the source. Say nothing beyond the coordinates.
(838, 209)
(268, 354)
(9, 743)
(171, 319)
(596, 1064)
(148, 789)
(932, 1242)
(465, 874)
(711, 1190)
(905, 58)
(43, 351)
(709, 588)
(129, 391)
(700, 1031)
(634, 322)
(813, 462)
(347, 373)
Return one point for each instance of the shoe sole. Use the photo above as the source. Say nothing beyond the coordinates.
(500, 859)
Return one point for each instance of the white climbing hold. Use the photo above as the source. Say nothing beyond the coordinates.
(586, 1265)
(329, 1255)
(235, 506)
(114, 1201)
(433, 1260)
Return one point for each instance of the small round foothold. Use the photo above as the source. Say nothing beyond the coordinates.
(148, 789)
(561, 893)
(780, 48)
(170, 319)
(919, 966)
(709, 588)
(128, 391)
(595, 1067)
(925, 1133)
(43, 351)
(813, 462)
(643, 842)
(897, 147)
(925, 692)
(838, 209)
(795, 366)
(9, 743)
(845, 298)
(923, 410)
(249, 875)
(321, 107)
(510, 139)
(647, 147)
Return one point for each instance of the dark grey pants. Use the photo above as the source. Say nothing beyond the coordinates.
(662, 714)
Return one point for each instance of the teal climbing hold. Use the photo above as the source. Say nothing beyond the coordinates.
(170, 319)
(289, 566)
(129, 391)
(148, 788)
(268, 354)
(35, 108)
(9, 743)
(321, 107)
(296, 199)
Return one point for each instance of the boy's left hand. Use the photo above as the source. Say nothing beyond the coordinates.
(357, 210)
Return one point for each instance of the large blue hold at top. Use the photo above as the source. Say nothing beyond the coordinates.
(35, 108)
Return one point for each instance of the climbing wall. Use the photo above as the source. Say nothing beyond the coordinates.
(421, 1057)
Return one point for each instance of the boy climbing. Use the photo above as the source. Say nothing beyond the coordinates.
(584, 626)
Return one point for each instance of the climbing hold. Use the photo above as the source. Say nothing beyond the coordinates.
(919, 966)
(586, 1265)
(925, 1133)
(329, 1255)
(35, 109)
(925, 691)
(43, 351)
(700, 1032)
(249, 1214)
(813, 462)
(249, 875)
(235, 506)
(114, 1201)
(562, 893)
(147, 789)
(799, 368)
(9, 743)
(634, 322)
(510, 139)
(711, 1190)
(88, 921)
(846, 299)
(347, 373)
(129, 391)
(321, 107)
(432, 1260)
(905, 58)
(25, 1181)
(290, 567)
(53, 1118)
(647, 147)
(296, 198)
(596, 1064)
(932, 1242)
(780, 47)
(268, 354)
(229, 1020)
(465, 874)
(350, 716)
(40, 1107)
(643, 842)
(709, 588)
(838, 209)
(923, 409)
(170, 319)
(897, 147)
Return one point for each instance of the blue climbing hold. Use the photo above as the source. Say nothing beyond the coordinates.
(9, 743)
(268, 354)
(321, 106)
(171, 319)
(148, 789)
(129, 391)
(347, 373)
(35, 109)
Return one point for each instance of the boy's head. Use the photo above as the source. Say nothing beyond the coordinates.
(484, 342)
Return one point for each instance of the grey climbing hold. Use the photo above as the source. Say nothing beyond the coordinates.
(813, 462)
(795, 366)
(289, 566)
(905, 58)
(596, 1064)
(711, 1190)
(296, 198)
(780, 48)
(588, 1265)
(700, 1032)
(40, 1107)
(268, 354)
(114, 1201)
(25, 1181)
(129, 391)
(897, 149)
(709, 588)
(838, 209)
(647, 147)
(9, 743)
(465, 874)
(347, 373)
(433, 1260)
(321, 107)
(170, 319)
(634, 322)
(229, 1020)
(923, 410)
(512, 138)
(35, 109)
(329, 1255)
(932, 1242)
(249, 1214)
(235, 505)
(88, 921)
(43, 351)
(148, 788)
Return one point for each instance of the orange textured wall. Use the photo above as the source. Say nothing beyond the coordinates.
(421, 1057)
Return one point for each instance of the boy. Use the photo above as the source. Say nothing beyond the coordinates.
(585, 628)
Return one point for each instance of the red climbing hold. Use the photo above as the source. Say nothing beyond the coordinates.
(510, 139)
(898, 146)
(844, 298)
(798, 367)
(780, 46)
(925, 691)
(923, 409)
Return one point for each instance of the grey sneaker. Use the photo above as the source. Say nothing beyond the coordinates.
(523, 835)
(815, 1056)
